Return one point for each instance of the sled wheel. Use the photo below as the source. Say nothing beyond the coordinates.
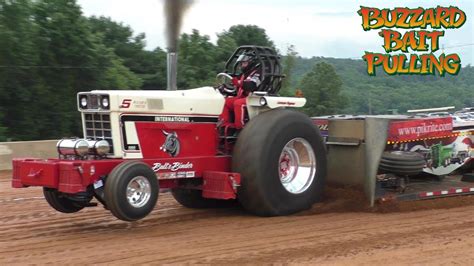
(192, 198)
(60, 202)
(402, 163)
(282, 161)
(131, 191)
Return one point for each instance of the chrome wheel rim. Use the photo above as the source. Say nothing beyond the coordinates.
(297, 166)
(138, 191)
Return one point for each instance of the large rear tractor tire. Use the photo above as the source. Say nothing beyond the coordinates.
(402, 163)
(282, 161)
(192, 198)
(131, 190)
(60, 202)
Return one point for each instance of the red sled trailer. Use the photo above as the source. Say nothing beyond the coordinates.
(397, 157)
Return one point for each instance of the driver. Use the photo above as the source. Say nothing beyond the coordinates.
(246, 82)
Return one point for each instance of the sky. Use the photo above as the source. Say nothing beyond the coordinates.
(316, 28)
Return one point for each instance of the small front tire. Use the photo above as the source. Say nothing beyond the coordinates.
(131, 190)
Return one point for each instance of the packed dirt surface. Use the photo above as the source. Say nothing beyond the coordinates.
(339, 231)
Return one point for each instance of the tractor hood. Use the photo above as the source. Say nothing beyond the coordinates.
(200, 101)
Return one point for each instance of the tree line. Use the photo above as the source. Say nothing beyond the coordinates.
(384, 94)
(49, 51)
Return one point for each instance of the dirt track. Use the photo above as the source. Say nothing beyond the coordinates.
(338, 231)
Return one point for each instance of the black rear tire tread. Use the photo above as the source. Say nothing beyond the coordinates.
(406, 167)
(256, 156)
(401, 172)
(402, 163)
(402, 156)
(192, 198)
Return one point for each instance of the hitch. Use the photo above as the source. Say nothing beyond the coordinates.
(220, 185)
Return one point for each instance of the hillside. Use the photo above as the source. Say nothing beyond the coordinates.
(402, 92)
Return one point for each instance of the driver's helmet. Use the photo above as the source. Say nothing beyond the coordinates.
(246, 57)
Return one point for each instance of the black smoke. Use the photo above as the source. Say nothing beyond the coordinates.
(174, 13)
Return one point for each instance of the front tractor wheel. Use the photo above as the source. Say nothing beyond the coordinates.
(60, 202)
(131, 190)
(282, 161)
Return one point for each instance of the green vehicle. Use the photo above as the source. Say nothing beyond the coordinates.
(441, 155)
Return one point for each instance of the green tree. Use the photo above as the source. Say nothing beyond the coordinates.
(3, 130)
(18, 79)
(200, 60)
(48, 53)
(248, 35)
(121, 39)
(154, 78)
(393, 92)
(225, 47)
(322, 88)
(70, 53)
(197, 64)
(288, 64)
(150, 66)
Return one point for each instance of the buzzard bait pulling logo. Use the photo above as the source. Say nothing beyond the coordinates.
(417, 40)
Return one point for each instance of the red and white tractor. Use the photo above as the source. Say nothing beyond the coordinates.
(138, 142)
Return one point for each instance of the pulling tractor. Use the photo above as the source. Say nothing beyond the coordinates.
(138, 142)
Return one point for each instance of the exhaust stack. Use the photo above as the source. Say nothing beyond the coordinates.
(172, 70)
(174, 13)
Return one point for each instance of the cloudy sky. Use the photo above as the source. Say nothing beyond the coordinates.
(316, 28)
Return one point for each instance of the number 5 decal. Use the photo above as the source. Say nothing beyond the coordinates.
(126, 103)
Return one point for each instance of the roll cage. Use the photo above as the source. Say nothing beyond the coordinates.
(269, 61)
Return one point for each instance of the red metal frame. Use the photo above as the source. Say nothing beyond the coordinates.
(74, 176)
(220, 185)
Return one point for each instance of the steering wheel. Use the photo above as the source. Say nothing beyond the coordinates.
(224, 83)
